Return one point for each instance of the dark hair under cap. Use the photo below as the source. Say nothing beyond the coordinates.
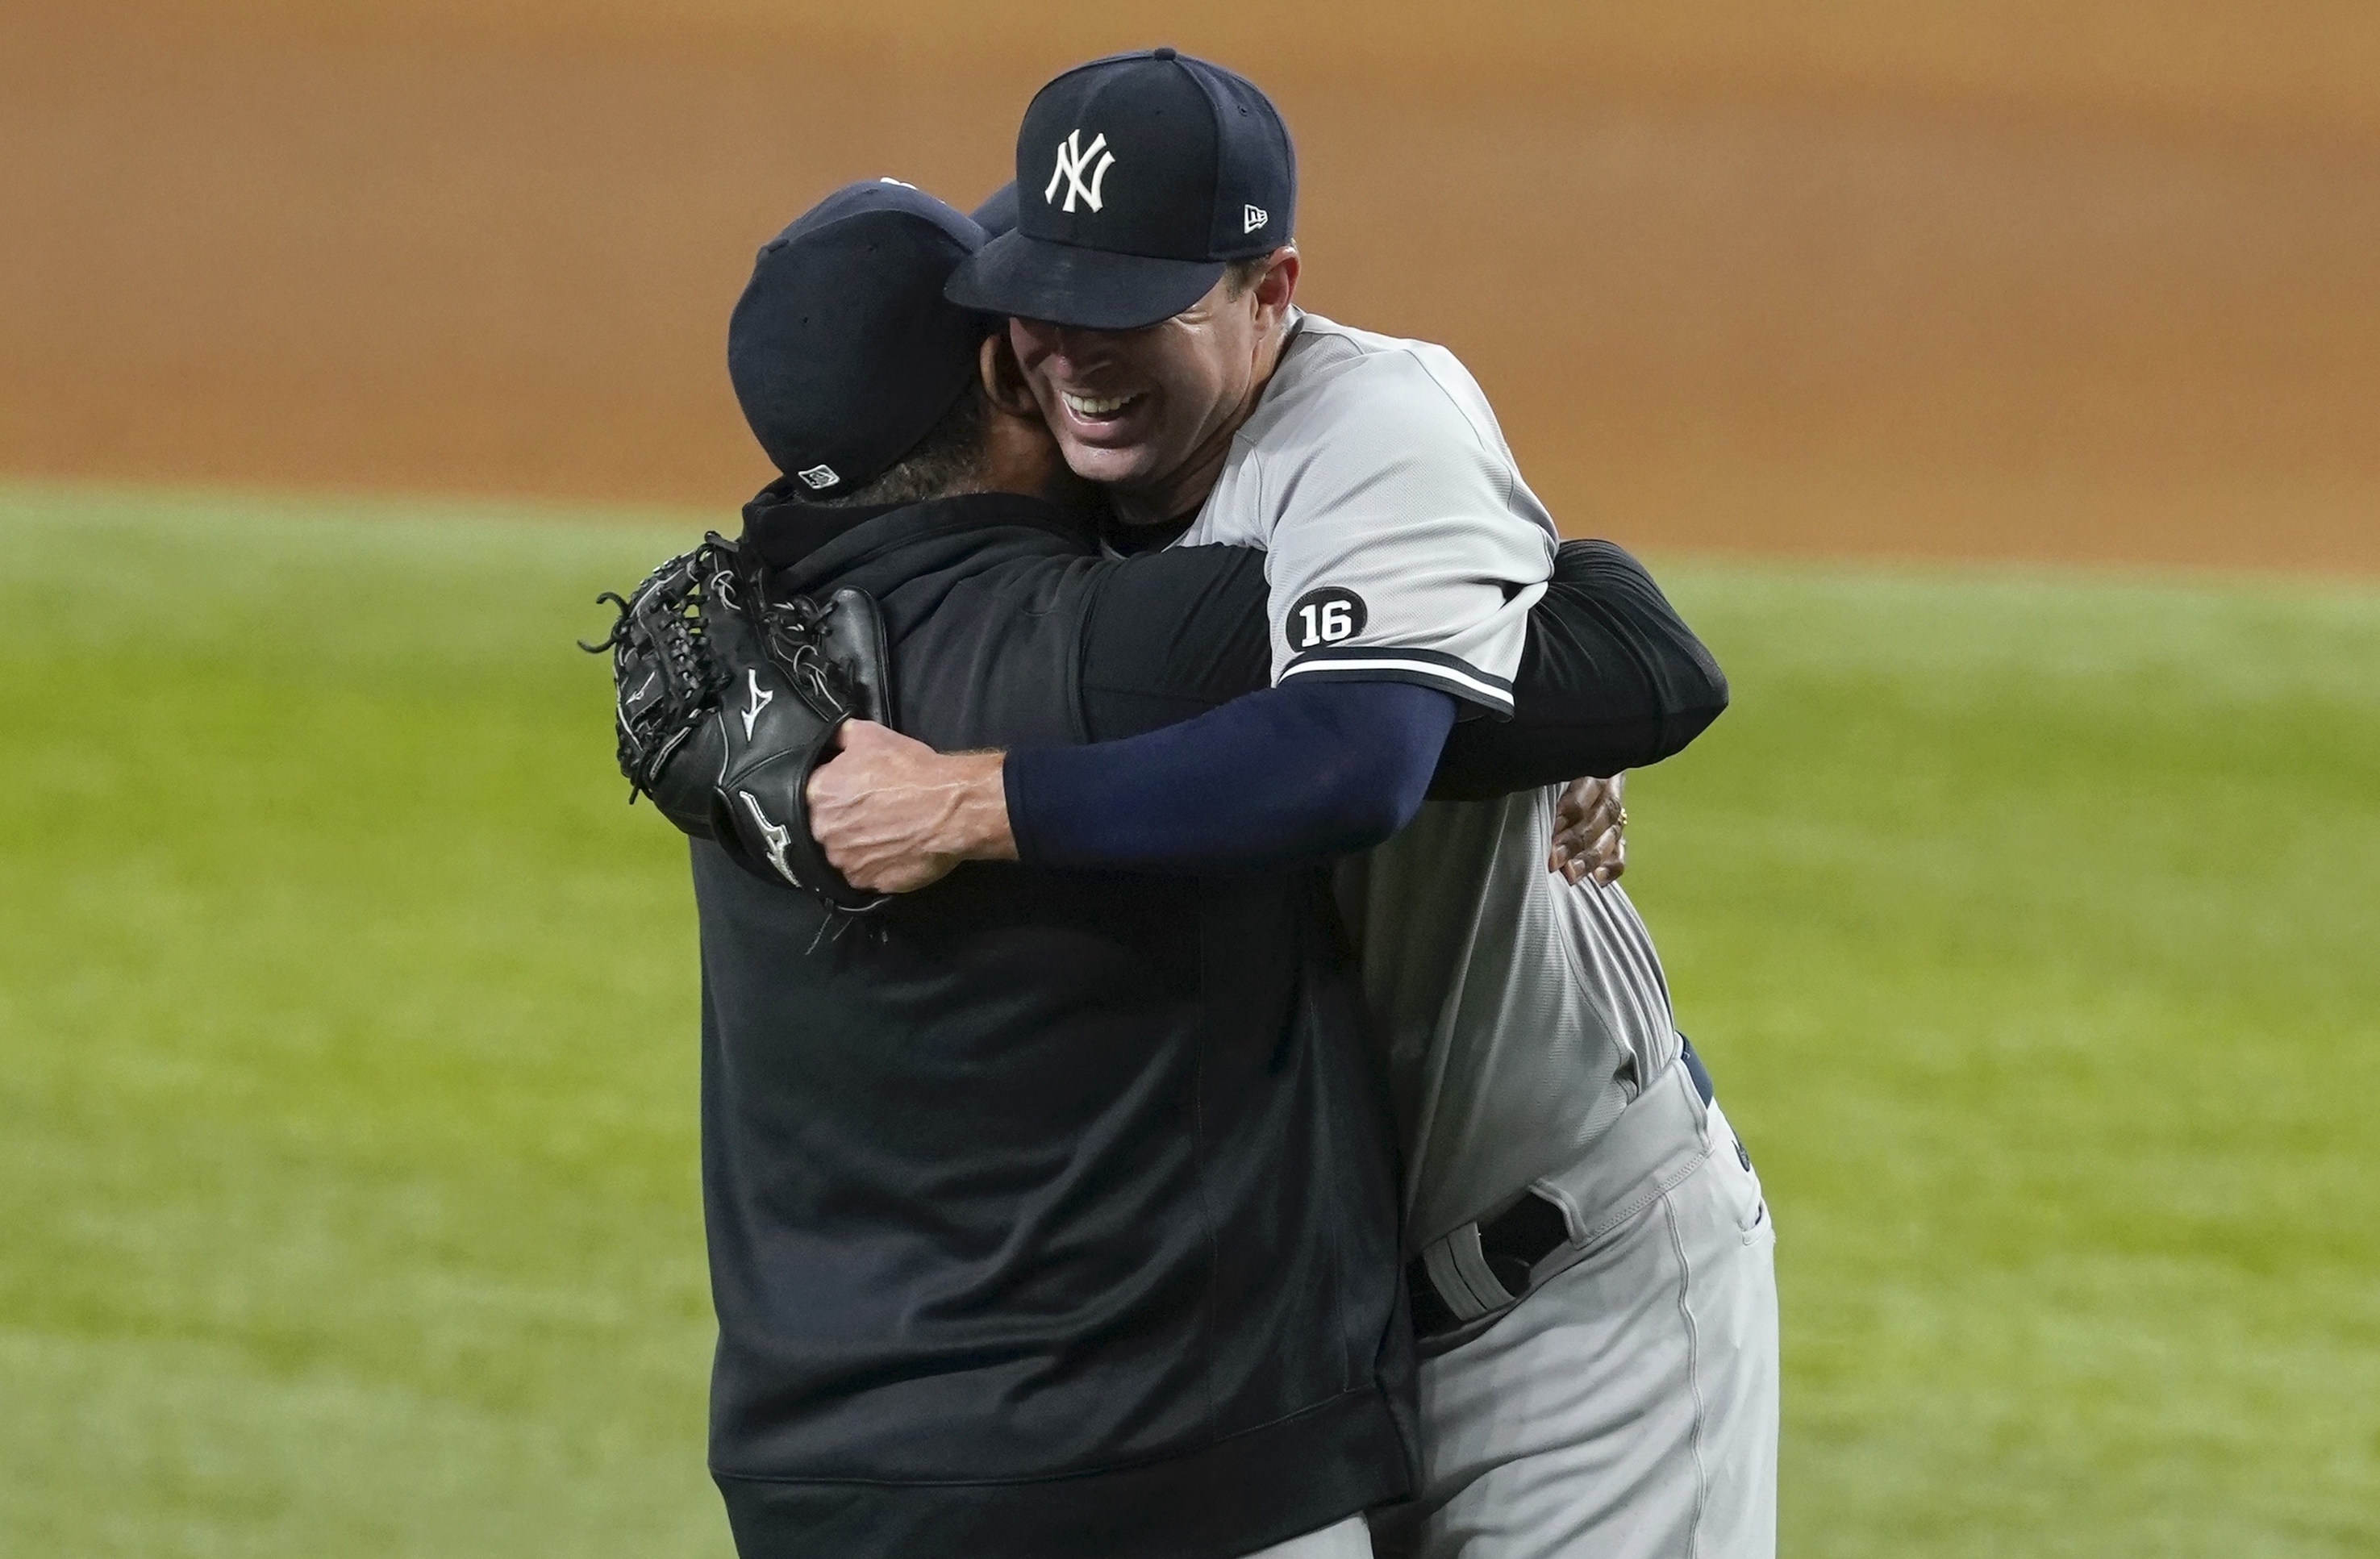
(842, 350)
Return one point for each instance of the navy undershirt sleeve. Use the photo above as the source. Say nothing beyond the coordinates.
(1612, 677)
(1279, 778)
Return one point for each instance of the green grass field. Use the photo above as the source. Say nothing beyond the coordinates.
(2030, 921)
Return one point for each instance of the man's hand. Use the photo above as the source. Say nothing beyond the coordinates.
(1590, 831)
(893, 814)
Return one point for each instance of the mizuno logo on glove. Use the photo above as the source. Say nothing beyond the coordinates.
(776, 835)
(695, 647)
(761, 698)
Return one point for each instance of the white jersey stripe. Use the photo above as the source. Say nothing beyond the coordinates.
(1466, 683)
(1403, 651)
(1374, 475)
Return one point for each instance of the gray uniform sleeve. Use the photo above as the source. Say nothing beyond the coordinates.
(1405, 546)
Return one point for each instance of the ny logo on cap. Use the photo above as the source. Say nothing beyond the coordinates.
(1072, 158)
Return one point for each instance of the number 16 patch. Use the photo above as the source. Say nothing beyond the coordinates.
(1328, 616)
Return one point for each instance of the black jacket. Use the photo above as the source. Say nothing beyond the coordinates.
(1050, 1213)
(1053, 1214)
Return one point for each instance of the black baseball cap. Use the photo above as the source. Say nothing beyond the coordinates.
(1139, 179)
(843, 349)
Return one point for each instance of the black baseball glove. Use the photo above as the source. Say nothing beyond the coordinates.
(728, 699)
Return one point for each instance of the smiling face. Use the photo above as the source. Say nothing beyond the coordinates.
(1149, 414)
(1018, 452)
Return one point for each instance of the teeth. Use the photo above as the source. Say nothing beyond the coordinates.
(1096, 405)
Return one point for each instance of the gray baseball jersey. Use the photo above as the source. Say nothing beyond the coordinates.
(1402, 544)
(1519, 1014)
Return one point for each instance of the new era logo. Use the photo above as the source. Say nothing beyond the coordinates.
(819, 476)
(1252, 218)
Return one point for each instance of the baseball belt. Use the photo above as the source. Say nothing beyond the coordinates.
(1510, 1246)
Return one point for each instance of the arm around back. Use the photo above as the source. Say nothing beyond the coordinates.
(1611, 679)
(1171, 635)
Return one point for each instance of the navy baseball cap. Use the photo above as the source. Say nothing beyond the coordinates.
(998, 212)
(1139, 179)
(843, 349)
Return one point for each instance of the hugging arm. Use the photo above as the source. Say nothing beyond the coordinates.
(1611, 679)
(1198, 766)
(1279, 777)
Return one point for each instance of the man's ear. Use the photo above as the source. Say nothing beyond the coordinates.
(1003, 380)
(1278, 283)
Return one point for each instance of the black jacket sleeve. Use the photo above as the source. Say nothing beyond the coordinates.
(1611, 679)
(1171, 635)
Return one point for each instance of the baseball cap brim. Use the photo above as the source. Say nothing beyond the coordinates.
(1086, 288)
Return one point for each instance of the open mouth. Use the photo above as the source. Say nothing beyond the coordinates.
(1099, 408)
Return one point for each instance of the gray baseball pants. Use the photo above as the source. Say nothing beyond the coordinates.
(1626, 1407)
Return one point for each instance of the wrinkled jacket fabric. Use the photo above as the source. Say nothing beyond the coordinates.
(1050, 1213)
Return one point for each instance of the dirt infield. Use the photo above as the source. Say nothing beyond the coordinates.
(2009, 279)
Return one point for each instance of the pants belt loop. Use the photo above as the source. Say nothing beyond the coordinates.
(1458, 1270)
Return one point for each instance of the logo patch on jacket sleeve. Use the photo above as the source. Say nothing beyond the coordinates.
(1326, 616)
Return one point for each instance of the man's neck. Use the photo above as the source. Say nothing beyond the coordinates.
(1179, 495)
